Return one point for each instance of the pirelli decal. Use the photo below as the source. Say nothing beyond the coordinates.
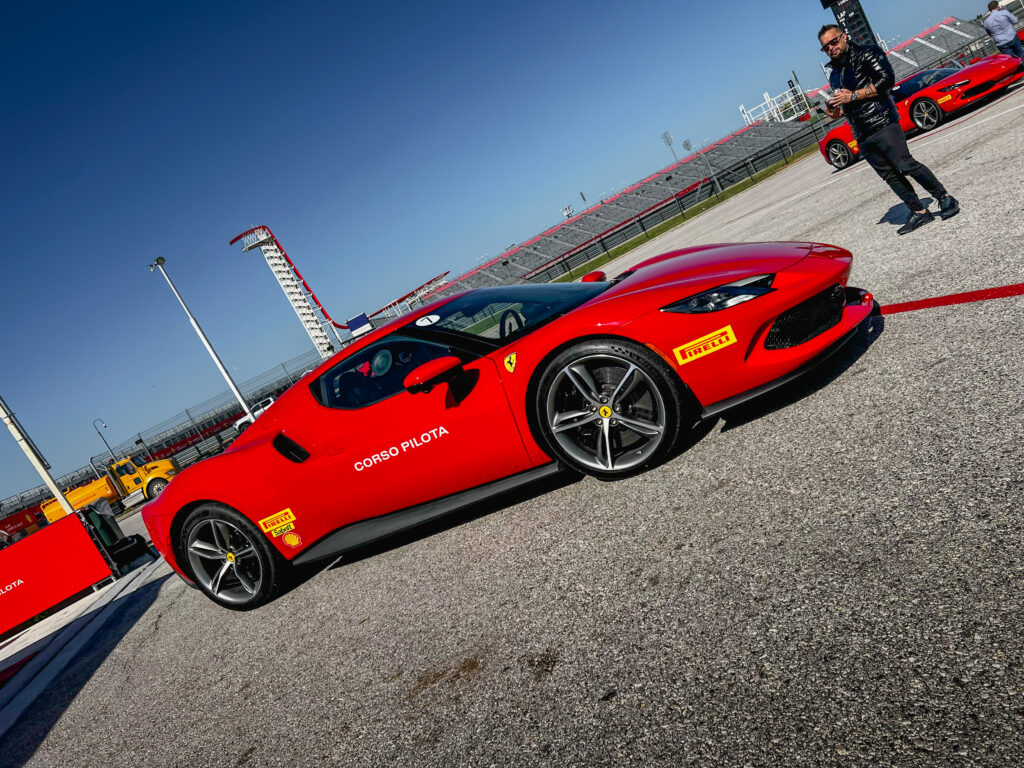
(705, 345)
(280, 523)
(944, 99)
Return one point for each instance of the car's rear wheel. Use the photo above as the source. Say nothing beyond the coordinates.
(608, 408)
(154, 487)
(230, 559)
(926, 114)
(839, 155)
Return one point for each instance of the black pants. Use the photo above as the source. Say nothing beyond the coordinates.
(887, 151)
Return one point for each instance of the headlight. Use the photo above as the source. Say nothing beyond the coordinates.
(954, 86)
(724, 296)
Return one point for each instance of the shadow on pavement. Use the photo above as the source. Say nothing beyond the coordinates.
(19, 744)
(505, 500)
(897, 215)
(867, 332)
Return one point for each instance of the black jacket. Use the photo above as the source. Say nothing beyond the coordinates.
(860, 67)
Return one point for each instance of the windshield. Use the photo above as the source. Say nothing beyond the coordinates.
(507, 312)
(921, 80)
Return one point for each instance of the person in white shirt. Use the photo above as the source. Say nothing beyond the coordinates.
(999, 24)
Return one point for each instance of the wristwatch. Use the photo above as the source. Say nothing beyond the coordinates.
(853, 95)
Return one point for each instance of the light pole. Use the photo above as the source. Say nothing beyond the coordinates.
(102, 424)
(35, 457)
(158, 263)
(667, 138)
(714, 181)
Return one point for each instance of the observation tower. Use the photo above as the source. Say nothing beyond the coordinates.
(314, 317)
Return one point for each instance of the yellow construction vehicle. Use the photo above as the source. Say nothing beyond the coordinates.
(125, 480)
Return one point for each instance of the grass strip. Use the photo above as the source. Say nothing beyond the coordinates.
(598, 261)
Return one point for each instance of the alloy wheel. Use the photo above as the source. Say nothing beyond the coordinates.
(606, 413)
(926, 115)
(838, 155)
(225, 562)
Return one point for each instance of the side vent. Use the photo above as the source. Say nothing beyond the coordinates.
(290, 449)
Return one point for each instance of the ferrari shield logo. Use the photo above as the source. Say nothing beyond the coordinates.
(510, 363)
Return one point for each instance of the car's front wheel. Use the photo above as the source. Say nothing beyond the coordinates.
(839, 155)
(230, 559)
(608, 408)
(926, 114)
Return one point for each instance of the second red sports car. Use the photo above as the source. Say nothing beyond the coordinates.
(476, 394)
(923, 100)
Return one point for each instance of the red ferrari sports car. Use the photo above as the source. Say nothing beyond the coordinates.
(923, 100)
(477, 394)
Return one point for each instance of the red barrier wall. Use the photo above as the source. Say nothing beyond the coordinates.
(45, 568)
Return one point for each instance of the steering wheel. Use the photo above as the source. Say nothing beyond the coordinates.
(511, 321)
(381, 363)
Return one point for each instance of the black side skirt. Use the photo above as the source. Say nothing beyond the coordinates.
(374, 528)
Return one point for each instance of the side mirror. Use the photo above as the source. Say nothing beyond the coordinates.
(594, 277)
(423, 378)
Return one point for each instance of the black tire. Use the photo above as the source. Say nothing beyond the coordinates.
(230, 559)
(155, 486)
(839, 155)
(242, 427)
(926, 114)
(595, 421)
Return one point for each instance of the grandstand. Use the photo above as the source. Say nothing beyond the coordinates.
(648, 202)
(939, 45)
(196, 432)
(673, 190)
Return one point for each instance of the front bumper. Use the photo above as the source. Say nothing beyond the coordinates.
(858, 306)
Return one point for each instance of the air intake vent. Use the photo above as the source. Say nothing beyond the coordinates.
(290, 449)
(807, 319)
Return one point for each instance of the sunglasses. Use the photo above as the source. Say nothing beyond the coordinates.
(834, 41)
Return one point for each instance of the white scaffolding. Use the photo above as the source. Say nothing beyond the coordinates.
(314, 318)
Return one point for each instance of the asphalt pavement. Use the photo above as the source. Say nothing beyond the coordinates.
(831, 576)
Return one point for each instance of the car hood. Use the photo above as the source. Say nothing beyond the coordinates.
(716, 264)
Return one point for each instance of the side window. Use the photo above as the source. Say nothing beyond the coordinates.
(377, 372)
(908, 88)
(125, 469)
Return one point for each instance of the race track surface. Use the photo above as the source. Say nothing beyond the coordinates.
(832, 576)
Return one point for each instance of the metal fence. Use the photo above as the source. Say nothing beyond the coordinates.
(193, 434)
(781, 152)
(741, 171)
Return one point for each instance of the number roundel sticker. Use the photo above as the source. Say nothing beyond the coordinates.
(427, 320)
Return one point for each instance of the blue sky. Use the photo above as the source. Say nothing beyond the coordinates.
(383, 143)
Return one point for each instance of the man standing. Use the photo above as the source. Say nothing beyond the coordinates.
(860, 81)
(999, 24)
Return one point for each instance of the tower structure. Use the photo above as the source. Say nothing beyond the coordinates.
(850, 16)
(314, 317)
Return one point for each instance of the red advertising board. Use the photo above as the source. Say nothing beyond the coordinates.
(45, 568)
(20, 521)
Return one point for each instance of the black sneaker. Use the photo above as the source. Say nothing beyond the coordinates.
(916, 220)
(950, 207)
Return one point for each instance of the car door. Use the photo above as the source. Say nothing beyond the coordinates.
(128, 475)
(389, 449)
